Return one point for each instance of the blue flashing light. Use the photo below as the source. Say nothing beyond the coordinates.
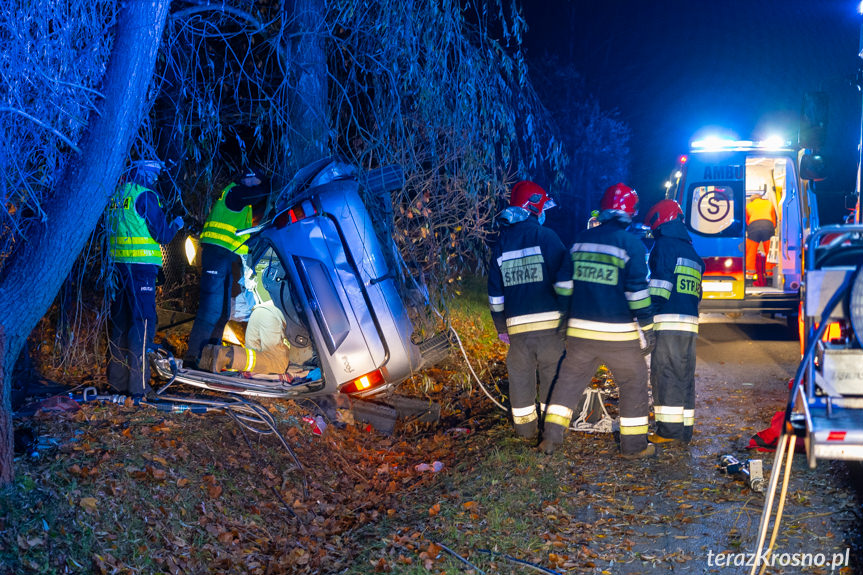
(715, 144)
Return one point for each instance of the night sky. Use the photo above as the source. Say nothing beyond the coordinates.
(673, 68)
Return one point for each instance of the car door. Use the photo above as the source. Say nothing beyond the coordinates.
(712, 199)
(331, 295)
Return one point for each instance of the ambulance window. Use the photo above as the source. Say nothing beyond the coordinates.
(713, 210)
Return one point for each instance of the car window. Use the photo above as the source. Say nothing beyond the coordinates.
(272, 283)
(325, 302)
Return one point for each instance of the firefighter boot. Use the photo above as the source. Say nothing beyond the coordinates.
(648, 451)
(658, 439)
(206, 359)
(216, 358)
(552, 437)
(223, 357)
(527, 432)
(526, 426)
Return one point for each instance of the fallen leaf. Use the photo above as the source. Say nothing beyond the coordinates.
(435, 509)
(89, 503)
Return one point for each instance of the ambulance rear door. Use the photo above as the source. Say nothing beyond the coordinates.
(712, 195)
(790, 228)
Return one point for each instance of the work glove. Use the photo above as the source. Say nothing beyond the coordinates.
(504, 337)
(177, 223)
(649, 342)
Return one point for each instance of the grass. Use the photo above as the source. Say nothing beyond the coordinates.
(135, 491)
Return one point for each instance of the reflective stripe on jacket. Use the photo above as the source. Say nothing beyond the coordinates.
(129, 239)
(529, 280)
(610, 298)
(675, 279)
(222, 224)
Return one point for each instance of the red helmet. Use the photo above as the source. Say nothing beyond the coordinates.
(620, 198)
(530, 196)
(663, 212)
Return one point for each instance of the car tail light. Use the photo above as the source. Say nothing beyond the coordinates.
(295, 213)
(364, 383)
(723, 266)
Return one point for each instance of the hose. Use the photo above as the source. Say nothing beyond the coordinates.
(533, 566)
(454, 332)
(771, 492)
(249, 416)
(473, 567)
(470, 367)
(776, 522)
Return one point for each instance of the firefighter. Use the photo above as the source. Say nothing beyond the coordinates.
(529, 284)
(760, 227)
(238, 207)
(675, 290)
(136, 226)
(268, 348)
(609, 314)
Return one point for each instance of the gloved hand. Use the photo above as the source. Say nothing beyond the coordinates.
(649, 342)
(177, 223)
(504, 337)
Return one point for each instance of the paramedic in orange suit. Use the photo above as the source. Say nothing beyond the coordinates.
(760, 227)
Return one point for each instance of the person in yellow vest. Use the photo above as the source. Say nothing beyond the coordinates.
(238, 207)
(760, 227)
(136, 226)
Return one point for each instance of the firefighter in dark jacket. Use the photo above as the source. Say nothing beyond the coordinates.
(675, 289)
(136, 227)
(529, 284)
(609, 314)
(238, 207)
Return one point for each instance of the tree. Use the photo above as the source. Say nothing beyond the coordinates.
(45, 248)
(439, 88)
(596, 143)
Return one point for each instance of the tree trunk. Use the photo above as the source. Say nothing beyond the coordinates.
(6, 437)
(308, 140)
(36, 270)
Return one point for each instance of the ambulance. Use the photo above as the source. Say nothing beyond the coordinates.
(713, 184)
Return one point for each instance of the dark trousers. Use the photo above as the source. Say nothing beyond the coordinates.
(214, 300)
(133, 323)
(627, 365)
(529, 354)
(672, 376)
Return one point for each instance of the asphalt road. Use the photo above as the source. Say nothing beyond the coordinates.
(742, 376)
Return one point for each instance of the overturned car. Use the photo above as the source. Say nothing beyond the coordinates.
(351, 311)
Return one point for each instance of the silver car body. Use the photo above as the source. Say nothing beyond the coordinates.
(325, 269)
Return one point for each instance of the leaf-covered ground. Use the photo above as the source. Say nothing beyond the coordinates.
(123, 489)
